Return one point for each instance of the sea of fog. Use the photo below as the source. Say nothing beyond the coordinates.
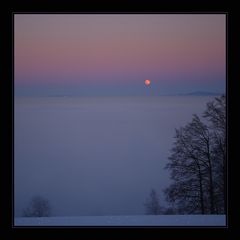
(96, 155)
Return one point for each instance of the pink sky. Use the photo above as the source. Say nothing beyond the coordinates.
(66, 48)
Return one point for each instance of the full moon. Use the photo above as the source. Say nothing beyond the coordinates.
(147, 82)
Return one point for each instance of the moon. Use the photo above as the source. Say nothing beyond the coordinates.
(147, 82)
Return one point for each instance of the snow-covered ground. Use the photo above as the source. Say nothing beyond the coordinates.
(138, 220)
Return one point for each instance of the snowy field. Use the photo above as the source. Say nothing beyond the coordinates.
(97, 156)
(144, 220)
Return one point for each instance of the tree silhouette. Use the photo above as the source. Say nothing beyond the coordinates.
(216, 115)
(197, 163)
(152, 204)
(38, 207)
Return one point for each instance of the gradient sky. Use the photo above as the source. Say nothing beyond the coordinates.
(112, 54)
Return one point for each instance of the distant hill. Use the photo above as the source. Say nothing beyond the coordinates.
(200, 93)
(60, 95)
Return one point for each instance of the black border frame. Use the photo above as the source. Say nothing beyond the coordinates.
(6, 176)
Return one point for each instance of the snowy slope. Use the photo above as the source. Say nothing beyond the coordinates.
(138, 220)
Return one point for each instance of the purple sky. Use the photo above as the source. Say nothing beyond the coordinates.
(112, 54)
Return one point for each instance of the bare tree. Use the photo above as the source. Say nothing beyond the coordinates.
(216, 115)
(152, 204)
(38, 207)
(187, 170)
(197, 163)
